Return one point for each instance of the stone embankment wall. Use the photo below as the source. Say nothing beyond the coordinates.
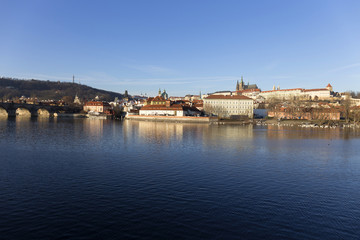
(171, 118)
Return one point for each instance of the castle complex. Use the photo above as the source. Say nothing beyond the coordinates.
(252, 91)
(309, 94)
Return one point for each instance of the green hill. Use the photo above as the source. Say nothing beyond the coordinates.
(11, 88)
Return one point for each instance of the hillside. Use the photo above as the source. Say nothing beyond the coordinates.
(11, 88)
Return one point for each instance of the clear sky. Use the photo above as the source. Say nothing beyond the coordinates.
(184, 46)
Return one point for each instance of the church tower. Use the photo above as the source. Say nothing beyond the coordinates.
(165, 95)
(241, 87)
(329, 87)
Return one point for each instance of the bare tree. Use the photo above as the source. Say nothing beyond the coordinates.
(272, 103)
(346, 103)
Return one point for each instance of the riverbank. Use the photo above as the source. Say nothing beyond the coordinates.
(259, 122)
(306, 123)
(172, 118)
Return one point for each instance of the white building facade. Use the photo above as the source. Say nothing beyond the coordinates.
(96, 107)
(152, 110)
(230, 105)
(286, 94)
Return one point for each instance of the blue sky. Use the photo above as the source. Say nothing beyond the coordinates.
(183, 46)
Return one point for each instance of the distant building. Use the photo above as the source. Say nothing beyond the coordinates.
(227, 106)
(176, 98)
(251, 93)
(198, 104)
(77, 100)
(160, 106)
(96, 106)
(223, 93)
(158, 100)
(242, 86)
(162, 110)
(329, 87)
(285, 94)
(191, 98)
(163, 94)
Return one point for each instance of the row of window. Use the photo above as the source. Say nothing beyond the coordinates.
(228, 107)
(231, 102)
(238, 112)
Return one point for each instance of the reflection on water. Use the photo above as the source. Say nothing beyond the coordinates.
(166, 132)
(284, 132)
(23, 123)
(94, 128)
(228, 136)
(96, 179)
(155, 131)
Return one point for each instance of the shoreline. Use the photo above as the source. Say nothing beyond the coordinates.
(255, 122)
(215, 121)
(306, 123)
(171, 118)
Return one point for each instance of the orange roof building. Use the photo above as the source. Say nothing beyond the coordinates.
(97, 106)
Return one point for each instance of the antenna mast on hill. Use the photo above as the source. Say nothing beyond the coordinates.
(73, 79)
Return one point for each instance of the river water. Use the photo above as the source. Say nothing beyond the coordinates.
(103, 179)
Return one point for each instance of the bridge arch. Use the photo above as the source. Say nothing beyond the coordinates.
(3, 113)
(42, 112)
(23, 112)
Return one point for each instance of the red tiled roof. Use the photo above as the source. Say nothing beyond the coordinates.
(329, 85)
(158, 98)
(162, 107)
(228, 97)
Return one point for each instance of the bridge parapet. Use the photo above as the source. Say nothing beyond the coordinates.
(14, 109)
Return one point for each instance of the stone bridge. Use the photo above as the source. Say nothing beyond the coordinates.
(31, 110)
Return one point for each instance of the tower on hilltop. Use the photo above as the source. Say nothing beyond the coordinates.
(242, 86)
(329, 87)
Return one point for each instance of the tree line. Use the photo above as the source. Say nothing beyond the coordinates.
(11, 88)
